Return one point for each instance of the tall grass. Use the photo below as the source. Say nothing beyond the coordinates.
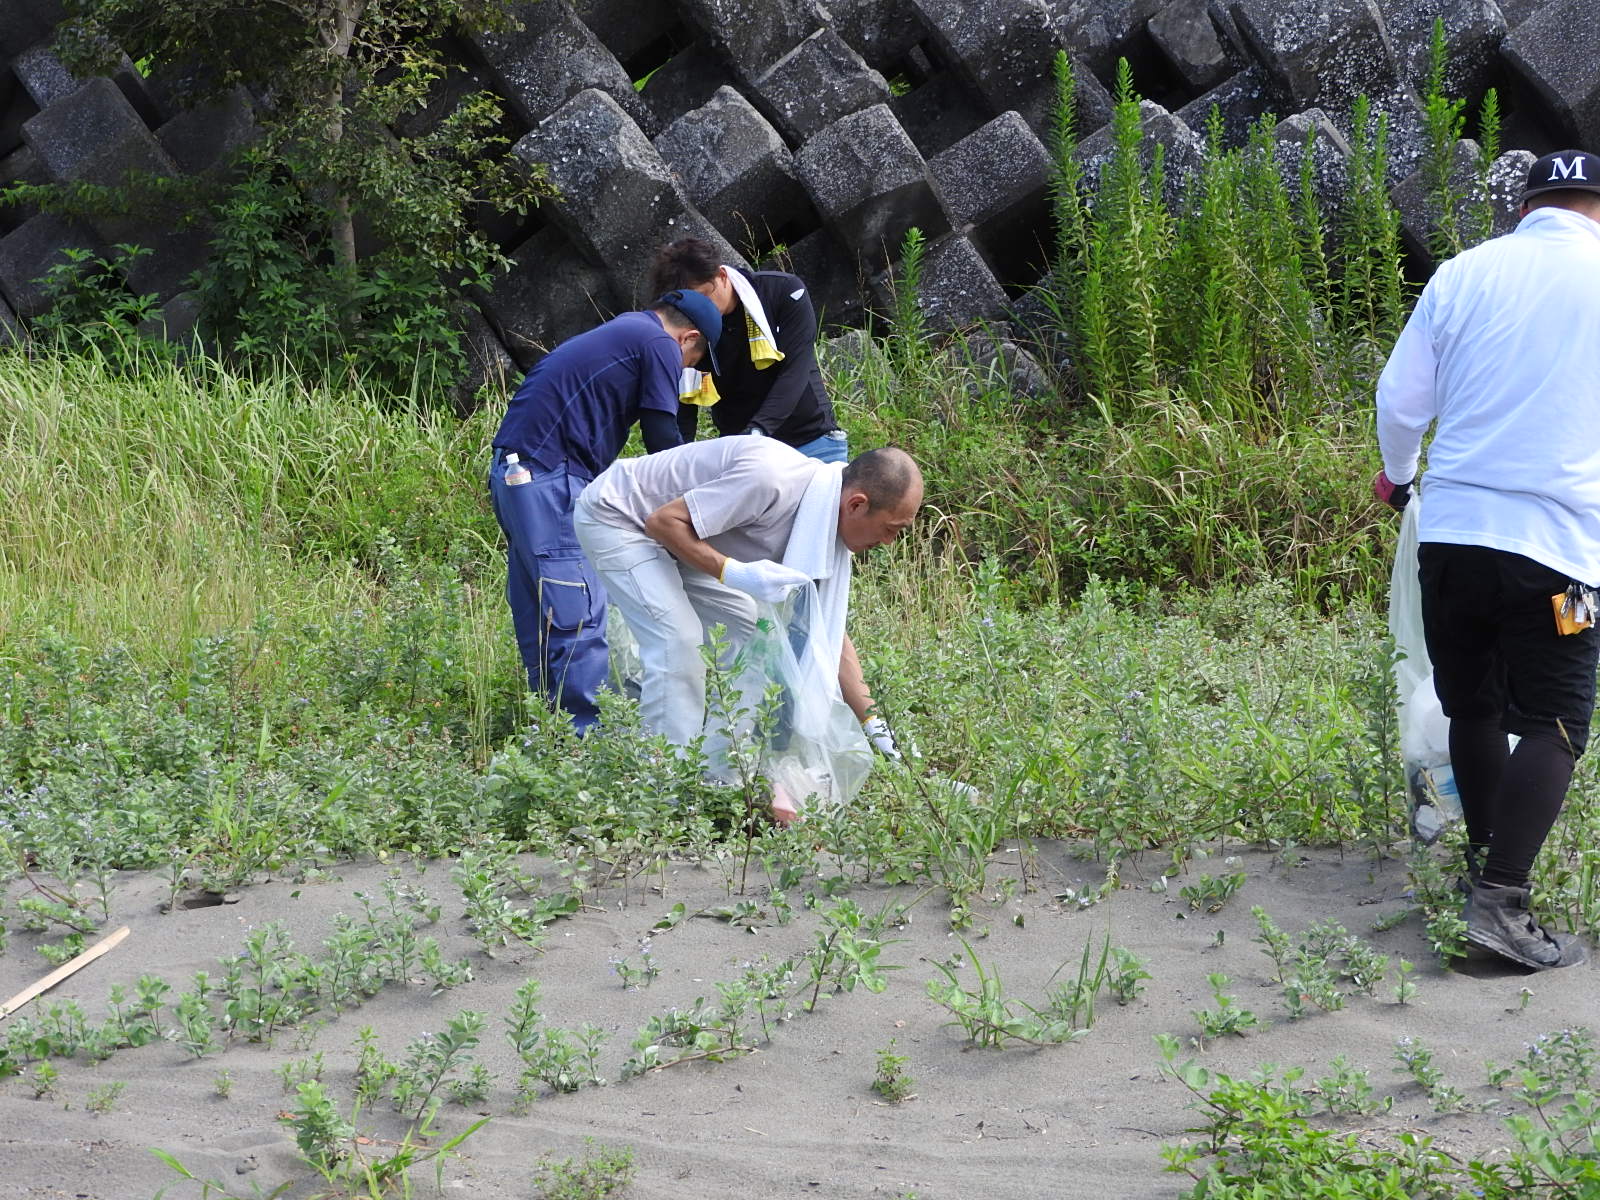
(1460, 211)
(1216, 358)
(147, 504)
(1237, 295)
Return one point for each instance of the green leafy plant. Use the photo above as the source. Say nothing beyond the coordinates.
(43, 1080)
(1260, 1143)
(743, 1016)
(1073, 1001)
(429, 1061)
(890, 1079)
(1210, 893)
(1346, 1089)
(641, 976)
(1555, 1064)
(292, 1074)
(601, 1171)
(1311, 968)
(1405, 987)
(320, 1130)
(93, 309)
(1311, 980)
(374, 1071)
(562, 1060)
(485, 876)
(990, 1018)
(742, 708)
(473, 1088)
(352, 125)
(1444, 124)
(1440, 902)
(910, 343)
(1277, 944)
(1126, 975)
(1227, 1017)
(1416, 1059)
(196, 1028)
(847, 951)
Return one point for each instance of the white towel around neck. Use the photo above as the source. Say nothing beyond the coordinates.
(746, 292)
(816, 549)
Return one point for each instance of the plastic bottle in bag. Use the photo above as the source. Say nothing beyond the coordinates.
(1425, 751)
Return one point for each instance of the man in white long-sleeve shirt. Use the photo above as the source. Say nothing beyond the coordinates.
(1503, 354)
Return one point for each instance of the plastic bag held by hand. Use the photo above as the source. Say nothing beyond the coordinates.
(1424, 729)
(814, 751)
(763, 579)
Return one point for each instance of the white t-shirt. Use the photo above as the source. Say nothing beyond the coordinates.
(1503, 351)
(742, 492)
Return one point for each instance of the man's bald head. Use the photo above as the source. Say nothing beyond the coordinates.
(884, 476)
(879, 495)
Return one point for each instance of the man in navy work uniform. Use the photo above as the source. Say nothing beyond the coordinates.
(1503, 353)
(567, 422)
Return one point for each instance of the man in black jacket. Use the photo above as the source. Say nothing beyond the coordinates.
(767, 382)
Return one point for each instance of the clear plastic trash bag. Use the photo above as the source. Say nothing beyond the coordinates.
(816, 753)
(1424, 729)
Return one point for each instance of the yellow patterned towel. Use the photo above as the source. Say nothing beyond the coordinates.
(763, 349)
(697, 388)
(762, 352)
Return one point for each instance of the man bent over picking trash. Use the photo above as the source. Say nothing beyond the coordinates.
(692, 536)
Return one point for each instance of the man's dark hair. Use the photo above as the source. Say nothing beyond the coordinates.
(671, 315)
(884, 476)
(1576, 199)
(685, 263)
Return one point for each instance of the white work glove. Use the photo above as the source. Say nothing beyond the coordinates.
(881, 737)
(763, 579)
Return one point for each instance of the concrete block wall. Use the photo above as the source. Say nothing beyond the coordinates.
(812, 133)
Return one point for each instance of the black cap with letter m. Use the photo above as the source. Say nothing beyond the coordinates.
(1562, 170)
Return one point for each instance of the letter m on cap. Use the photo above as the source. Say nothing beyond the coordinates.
(1562, 168)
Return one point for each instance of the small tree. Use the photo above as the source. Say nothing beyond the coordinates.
(335, 83)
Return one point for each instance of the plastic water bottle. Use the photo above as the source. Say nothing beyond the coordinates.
(1436, 801)
(516, 474)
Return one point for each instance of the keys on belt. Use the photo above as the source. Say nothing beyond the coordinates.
(1575, 608)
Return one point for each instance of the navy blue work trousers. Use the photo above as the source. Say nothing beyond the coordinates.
(558, 605)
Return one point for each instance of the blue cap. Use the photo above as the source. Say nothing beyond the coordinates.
(702, 314)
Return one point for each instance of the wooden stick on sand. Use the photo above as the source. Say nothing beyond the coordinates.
(70, 967)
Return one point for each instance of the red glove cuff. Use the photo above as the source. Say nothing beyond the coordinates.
(1395, 495)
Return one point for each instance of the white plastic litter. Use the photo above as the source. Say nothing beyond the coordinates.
(1424, 729)
(817, 753)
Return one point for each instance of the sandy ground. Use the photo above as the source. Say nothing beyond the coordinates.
(797, 1118)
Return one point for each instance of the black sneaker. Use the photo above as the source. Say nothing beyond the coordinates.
(1498, 920)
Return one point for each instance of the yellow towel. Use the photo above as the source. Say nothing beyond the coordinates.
(697, 388)
(762, 352)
